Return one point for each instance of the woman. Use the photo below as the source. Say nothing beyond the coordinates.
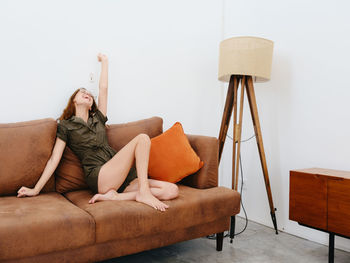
(110, 174)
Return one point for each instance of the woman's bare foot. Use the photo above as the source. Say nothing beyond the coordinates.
(146, 197)
(110, 195)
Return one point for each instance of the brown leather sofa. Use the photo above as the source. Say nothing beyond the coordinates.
(64, 227)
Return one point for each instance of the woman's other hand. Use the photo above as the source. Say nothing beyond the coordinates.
(25, 191)
(101, 57)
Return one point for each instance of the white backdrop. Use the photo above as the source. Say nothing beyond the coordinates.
(162, 59)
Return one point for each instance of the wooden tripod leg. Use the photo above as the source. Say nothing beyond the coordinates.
(259, 141)
(238, 132)
(225, 122)
(234, 134)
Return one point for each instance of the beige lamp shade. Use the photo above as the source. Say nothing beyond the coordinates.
(245, 56)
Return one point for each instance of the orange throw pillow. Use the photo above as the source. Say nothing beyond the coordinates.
(171, 156)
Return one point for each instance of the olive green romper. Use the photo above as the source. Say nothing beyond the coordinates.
(89, 142)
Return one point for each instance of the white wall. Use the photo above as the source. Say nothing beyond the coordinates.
(162, 59)
(163, 62)
(304, 109)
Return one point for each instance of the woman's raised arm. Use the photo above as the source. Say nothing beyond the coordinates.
(103, 84)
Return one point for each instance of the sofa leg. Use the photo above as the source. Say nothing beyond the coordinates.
(219, 239)
(232, 228)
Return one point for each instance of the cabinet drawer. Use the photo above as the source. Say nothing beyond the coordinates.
(339, 206)
(308, 199)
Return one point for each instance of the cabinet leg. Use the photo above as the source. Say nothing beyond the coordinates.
(331, 248)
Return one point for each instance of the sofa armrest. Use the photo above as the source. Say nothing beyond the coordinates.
(207, 148)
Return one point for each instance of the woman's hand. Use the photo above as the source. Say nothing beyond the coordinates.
(25, 191)
(102, 57)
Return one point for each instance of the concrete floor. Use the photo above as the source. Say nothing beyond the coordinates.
(256, 244)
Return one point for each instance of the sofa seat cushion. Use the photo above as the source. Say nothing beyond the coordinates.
(40, 224)
(129, 219)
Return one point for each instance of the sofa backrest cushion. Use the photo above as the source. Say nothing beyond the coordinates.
(25, 148)
(69, 173)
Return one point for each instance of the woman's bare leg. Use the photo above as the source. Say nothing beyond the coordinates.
(113, 173)
(170, 190)
(160, 189)
(113, 195)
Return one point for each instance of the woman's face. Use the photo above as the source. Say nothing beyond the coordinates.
(84, 97)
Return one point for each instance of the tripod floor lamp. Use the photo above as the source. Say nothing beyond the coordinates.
(244, 60)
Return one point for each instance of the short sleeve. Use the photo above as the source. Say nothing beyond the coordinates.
(62, 132)
(101, 117)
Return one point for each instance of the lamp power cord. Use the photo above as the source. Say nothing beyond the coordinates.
(213, 236)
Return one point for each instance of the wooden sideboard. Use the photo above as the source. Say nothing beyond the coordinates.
(320, 198)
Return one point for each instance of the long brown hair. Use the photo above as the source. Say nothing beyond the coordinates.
(69, 111)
